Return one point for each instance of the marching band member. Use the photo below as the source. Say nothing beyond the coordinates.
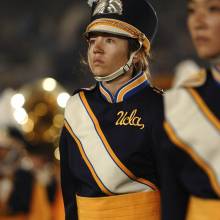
(108, 143)
(21, 196)
(192, 123)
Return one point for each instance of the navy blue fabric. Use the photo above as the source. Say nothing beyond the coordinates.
(139, 14)
(136, 148)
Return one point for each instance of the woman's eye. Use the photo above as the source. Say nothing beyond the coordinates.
(190, 10)
(109, 40)
(214, 8)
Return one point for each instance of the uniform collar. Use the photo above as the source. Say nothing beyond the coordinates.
(128, 89)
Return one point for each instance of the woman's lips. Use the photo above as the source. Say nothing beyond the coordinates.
(200, 40)
(97, 62)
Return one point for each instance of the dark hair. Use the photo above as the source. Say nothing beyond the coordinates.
(133, 45)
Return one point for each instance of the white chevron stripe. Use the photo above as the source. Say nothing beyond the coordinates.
(114, 179)
(193, 127)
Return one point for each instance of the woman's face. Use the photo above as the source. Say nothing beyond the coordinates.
(204, 26)
(106, 53)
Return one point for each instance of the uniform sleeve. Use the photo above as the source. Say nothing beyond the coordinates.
(67, 179)
(174, 198)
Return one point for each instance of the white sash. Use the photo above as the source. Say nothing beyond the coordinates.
(107, 170)
(194, 128)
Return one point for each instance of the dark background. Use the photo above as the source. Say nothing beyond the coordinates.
(44, 38)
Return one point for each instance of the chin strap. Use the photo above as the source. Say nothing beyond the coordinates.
(124, 69)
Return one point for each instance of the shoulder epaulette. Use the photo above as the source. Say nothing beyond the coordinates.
(84, 89)
(157, 90)
(194, 79)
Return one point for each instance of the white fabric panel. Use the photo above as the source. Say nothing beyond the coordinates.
(193, 127)
(114, 179)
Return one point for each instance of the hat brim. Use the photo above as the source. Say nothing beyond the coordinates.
(116, 27)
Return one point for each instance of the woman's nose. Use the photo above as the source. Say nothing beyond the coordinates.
(98, 45)
(200, 20)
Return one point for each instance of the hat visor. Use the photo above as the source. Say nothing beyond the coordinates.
(107, 30)
(116, 27)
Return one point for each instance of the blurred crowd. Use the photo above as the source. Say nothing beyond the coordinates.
(30, 123)
(29, 180)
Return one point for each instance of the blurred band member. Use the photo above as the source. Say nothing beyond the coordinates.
(22, 197)
(192, 124)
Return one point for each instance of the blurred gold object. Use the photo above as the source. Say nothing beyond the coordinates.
(44, 114)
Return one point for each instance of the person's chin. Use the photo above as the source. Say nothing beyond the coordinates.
(203, 51)
(207, 54)
(100, 73)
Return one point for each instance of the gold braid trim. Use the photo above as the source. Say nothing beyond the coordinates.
(134, 32)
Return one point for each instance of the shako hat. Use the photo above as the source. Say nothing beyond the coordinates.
(129, 18)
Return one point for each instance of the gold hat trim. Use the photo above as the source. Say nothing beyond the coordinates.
(127, 28)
